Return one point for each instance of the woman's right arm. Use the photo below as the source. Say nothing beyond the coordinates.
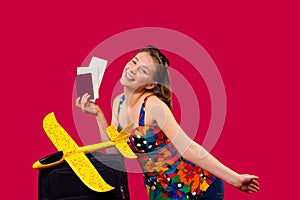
(94, 109)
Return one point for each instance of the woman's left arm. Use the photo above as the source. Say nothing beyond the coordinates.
(194, 152)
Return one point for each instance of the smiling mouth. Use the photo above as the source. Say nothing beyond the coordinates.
(129, 77)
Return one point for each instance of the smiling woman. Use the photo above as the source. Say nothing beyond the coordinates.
(136, 73)
(174, 166)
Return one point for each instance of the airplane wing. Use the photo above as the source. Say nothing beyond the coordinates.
(87, 173)
(57, 134)
(79, 163)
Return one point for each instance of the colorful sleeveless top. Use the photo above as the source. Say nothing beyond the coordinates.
(167, 175)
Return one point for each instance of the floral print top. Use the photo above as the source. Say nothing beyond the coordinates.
(167, 175)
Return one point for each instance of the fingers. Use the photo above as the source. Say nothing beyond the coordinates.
(82, 102)
(78, 102)
(254, 177)
(85, 101)
(87, 106)
(252, 186)
(249, 183)
(255, 182)
(85, 98)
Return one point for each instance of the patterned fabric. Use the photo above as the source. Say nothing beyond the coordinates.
(166, 174)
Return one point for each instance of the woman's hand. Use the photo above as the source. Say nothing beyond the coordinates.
(87, 106)
(248, 183)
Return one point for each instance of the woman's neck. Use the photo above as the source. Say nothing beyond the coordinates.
(132, 97)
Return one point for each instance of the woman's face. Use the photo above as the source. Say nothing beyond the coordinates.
(138, 71)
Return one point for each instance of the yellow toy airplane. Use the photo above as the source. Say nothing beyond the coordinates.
(75, 155)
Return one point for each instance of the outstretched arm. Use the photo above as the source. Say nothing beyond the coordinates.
(194, 152)
(197, 154)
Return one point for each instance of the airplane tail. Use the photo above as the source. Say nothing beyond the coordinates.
(121, 139)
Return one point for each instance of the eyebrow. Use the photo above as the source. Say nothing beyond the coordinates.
(142, 65)
(146, 67)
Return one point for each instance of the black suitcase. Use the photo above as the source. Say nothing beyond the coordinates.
(61, 183)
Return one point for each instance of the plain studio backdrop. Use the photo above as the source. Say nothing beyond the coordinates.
(254, 45)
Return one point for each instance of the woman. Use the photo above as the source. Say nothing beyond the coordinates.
(174, 166)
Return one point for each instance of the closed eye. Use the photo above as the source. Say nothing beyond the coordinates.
(134, 62)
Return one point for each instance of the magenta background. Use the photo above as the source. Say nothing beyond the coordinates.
(254, 44)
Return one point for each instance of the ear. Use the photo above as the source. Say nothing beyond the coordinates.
(150, 86)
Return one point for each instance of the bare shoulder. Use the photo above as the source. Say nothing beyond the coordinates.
(157, 110)
(155, 101)
(117, 98)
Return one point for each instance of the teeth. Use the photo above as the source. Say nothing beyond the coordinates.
(128, 76)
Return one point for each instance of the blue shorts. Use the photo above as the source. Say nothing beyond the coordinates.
(214, 192)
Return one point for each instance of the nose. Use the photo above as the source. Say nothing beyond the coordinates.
(133, 69)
